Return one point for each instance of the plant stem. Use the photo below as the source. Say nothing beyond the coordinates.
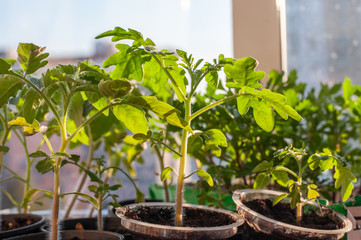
(212, 105)
(299, 213)
(180, 183)
(83, 176)
(4, 136)
(161, 163)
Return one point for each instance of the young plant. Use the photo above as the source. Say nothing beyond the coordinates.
(298, 188)
(142, 59)
(101, 190)
(69, 92)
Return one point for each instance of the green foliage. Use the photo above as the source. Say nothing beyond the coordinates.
(327, 160)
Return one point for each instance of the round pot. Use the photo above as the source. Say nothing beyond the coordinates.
(111, 209)
(72, 234)
(158, 231)
(261, 223)
(38, 220)
(110, 224)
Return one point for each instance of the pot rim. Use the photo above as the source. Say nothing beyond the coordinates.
(238, 219)
(239, 193)
(23, 229)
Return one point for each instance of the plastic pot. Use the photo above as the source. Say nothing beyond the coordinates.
(158, 231)
(261, 223)
(39, 221)
(110, 224)
(73, 234)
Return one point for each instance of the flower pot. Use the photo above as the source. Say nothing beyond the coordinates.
(28, 223)
(72, 235)
(158, 231)
(111, 209)
(267, 225)
(110, 224)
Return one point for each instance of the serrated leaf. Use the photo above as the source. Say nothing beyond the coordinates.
(45, 165)
(344, 179)
(262, 166)
(97, 100)
(242, 104)
(154, 75)
(38, 154)
(9, 86)
(279, 198)
(161, 109)
(243, 72)
(31, 57)
(215, 139)
(311, 193)
(115, 88)
(261, 181)
(166, 173)
(263, 114)
(278, 102)
(32, 102)
(212, 78)
(133, 118)
(195, 143)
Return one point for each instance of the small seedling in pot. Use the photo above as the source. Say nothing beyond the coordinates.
(298, 188)
(101, 190)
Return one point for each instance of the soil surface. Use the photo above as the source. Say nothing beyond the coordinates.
(282, 212)
(16, 223)
(192, 217)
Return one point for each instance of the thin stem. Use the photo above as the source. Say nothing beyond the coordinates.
(165, 145)
(4, 136)
(182, 164)
(84, 174)
(204, 109)
(287, 170)
(161, 163)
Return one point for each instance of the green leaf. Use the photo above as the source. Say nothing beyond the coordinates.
(119, 34)
(132, 117)
(263, 166)
(32, 102)
(97, 100)
(29, 194)
(38, 154)
(89, 199)
(278, 101)
(263, 114)
(115, 88)
(243, 72)
(45, 165)
(140, 137)
(5, 67)
(203, 174)
(195, 143)
(166, 173)
(281, 177)
(31, 57)
(12, 200)
(215, 139)
(9, 86)
(76, 109)
(295, 196)
(279, 198)
(242, 104)
(161, 109)
(311, 192)
(62, 154)
(212, 78)
(262, 180)
(344, 179)
(347, 89)
(4, 149)
(154, 75)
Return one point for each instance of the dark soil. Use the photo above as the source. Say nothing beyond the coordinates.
(16, 223)
(282, 212)
(192, 217)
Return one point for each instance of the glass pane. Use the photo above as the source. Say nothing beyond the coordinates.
(323, 39)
